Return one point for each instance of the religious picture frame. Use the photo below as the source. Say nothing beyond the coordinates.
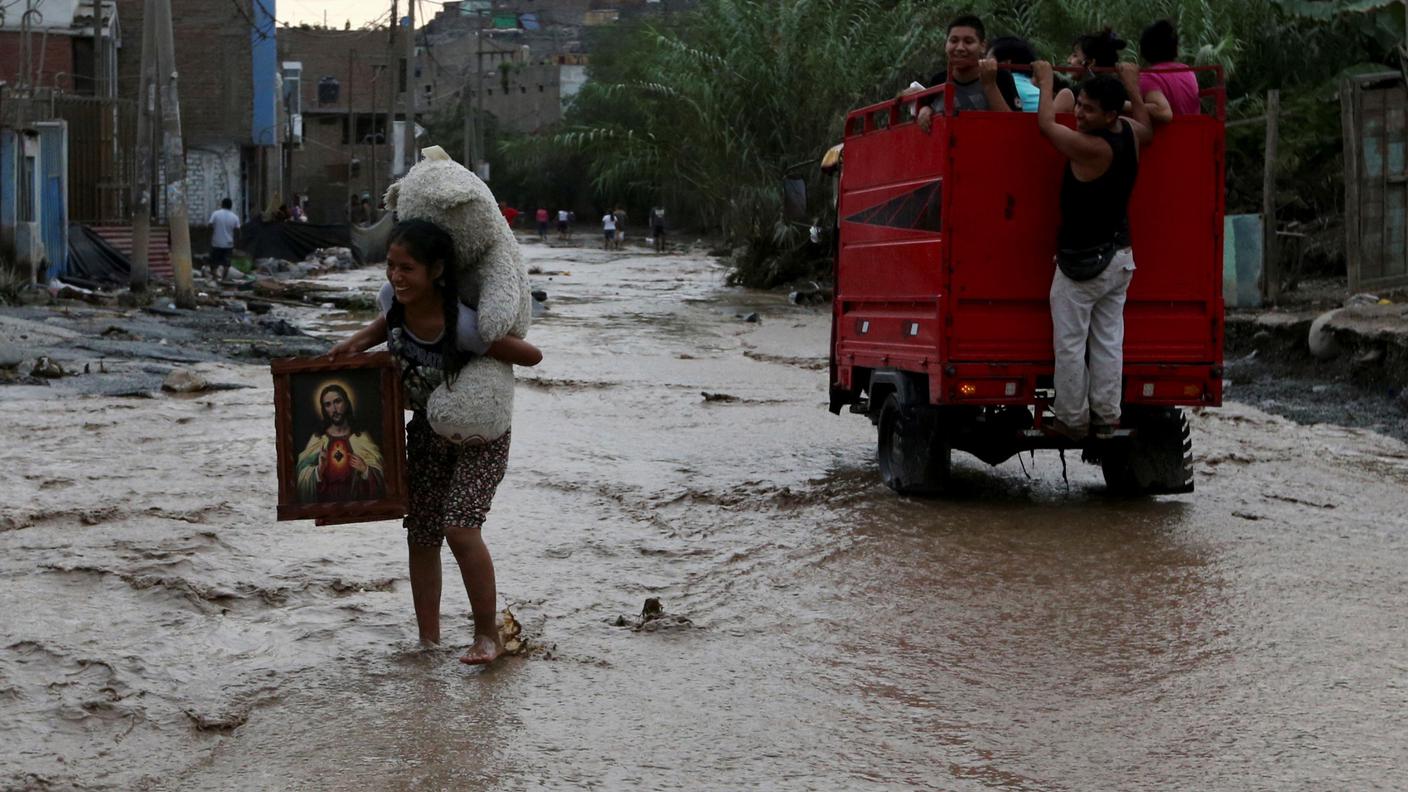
(340, 435)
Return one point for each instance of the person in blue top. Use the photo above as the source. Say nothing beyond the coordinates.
(432, 334)
(1017, 51)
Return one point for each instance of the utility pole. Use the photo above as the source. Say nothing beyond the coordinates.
(469, 126)
(142, 186)
(1270, 252)
(411, 85)
(351, 134)
(390, 74)
(174, 157)
(479, 97)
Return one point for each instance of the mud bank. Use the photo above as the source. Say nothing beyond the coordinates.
(1363, 384)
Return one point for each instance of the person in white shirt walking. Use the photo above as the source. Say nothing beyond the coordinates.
(608, 227)
(224, 225)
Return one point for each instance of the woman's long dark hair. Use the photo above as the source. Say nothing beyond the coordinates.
(1102, 48)
(429, 244)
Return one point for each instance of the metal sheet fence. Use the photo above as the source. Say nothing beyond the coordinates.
(102, 136)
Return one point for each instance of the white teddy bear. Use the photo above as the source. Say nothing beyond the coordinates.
(478, 408)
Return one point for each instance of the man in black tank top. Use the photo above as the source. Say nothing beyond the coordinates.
(1095, 263)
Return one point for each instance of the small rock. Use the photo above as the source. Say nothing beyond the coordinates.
(35, 297)
(540, 295)
(47, 368)
(1322, 339)
(236, 306)
(184, 380)
(752, 317)
(10, 356)
(280, 327)
(259, 308)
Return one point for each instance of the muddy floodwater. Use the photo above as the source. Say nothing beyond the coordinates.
(160, 630)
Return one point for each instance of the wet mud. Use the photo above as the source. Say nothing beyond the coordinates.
(162, 631)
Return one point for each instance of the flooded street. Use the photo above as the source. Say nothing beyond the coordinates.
(162, 631)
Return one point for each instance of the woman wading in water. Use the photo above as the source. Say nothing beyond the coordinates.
(432, 336)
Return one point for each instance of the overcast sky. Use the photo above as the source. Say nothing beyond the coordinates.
(339, 11)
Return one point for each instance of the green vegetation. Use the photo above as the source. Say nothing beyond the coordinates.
(709, 111)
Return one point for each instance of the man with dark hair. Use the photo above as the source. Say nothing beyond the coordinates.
(977, 82)
(1094, 260)
(1017, 51)
(1169, 89)
(339, 463)
(224, 225)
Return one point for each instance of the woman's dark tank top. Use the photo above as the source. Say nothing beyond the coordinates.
(1097, 212)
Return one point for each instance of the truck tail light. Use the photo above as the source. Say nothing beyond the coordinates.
(967, 389)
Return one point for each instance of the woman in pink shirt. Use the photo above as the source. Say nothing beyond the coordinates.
(1169, 90)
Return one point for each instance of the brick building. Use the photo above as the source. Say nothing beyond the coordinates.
(229, 117)
(349, 85)
(63, 52)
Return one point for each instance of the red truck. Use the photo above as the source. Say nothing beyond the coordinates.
(941, 326)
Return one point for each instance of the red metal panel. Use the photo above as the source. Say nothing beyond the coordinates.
(889, 278)
(973, 295)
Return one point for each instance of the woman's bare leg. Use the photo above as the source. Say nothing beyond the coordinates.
(425, 591)
(477, 570)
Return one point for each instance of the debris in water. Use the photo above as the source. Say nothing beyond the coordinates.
(652, 617)
(184, 380)
(717, 397)
(511, 634)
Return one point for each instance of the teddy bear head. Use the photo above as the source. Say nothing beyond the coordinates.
(492, 275)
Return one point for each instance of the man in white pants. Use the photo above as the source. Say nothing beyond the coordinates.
(1095, 263)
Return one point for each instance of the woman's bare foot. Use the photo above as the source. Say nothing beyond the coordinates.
(483, 651)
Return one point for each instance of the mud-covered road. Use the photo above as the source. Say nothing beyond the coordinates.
(159, 629)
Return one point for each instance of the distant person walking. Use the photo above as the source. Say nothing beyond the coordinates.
(657, 228)
(224, 225)
(542, 217)
(608, 228)
(562, 223)
(620, 227)
(510, 214)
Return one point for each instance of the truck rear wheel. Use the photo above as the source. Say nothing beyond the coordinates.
(1156, 460)
(913, 452)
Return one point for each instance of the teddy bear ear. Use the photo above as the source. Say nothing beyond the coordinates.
(392, 193)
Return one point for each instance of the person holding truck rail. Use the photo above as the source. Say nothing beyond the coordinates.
(1095, 262)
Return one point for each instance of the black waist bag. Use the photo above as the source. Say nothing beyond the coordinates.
(1082, 264)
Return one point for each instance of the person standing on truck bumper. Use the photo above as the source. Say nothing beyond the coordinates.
(1094, 258)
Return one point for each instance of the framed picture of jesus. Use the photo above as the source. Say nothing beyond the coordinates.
(340, 438)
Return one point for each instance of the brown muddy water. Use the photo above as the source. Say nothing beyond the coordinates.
(161, 631)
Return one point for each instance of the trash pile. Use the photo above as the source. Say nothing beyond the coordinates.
(320, 261)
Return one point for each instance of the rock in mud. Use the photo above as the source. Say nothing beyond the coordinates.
(184, 380)
(47, 368)
(1322, 338)
(236, 306)
(10, 356)
(281, 327)
(752, 318)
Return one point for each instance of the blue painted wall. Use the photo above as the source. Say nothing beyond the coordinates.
(53, 195)
(265, 57)
(9, 195)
